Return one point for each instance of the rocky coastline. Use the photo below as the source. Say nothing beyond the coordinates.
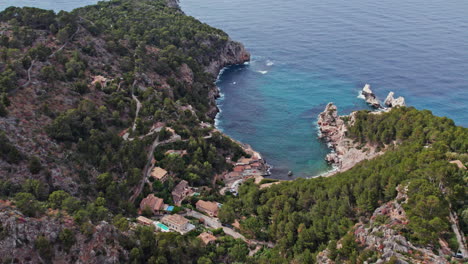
(345, 153)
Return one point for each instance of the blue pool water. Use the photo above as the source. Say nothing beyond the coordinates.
(306, 53)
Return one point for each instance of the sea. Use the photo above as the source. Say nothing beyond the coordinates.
(306, 53)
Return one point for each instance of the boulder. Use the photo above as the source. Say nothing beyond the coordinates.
(390, 101)
(370, 97)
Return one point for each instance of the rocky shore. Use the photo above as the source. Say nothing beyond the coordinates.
(345, 153)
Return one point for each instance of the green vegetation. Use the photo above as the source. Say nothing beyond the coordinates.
(303, 215)
(155, 53)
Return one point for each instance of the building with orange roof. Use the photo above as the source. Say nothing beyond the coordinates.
(159, 174)
(153, 203)
(210, 208)
(206, 238)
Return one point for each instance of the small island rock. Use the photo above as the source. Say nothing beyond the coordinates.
(370, 97)
(390, 101)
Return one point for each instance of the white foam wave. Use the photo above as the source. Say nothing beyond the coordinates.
(269, 63)
(234, 83)
(361, 96)
(263, 72)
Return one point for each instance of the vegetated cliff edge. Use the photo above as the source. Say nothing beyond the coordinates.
(345, 152)
(84, 96)
(61, 70)
(304, 216)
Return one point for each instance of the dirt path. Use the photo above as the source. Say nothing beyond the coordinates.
(149, 165)
(459, 234)
(138, 107)
(146, 170)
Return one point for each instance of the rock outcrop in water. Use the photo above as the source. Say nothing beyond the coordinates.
(345, 153)
(370, 97)
(390, 101)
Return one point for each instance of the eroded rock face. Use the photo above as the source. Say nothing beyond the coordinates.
(384, 237)
(370, 97)
(233, 53)
(345, 153)
(390, 101)
(19, 234)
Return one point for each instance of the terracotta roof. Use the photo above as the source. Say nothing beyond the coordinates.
(180, 187)
(144, 220)
(207, 237)
(244, 161)
(210, 206)
(459, 164)
(158, 173)
(153, 202)
(176, 219)
(239, 168)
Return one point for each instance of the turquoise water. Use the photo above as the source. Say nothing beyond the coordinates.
(307, 53)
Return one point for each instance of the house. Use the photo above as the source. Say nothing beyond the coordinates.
(206, 238)
(211, 208)
(177, 223)
(155, 204)
(144, 221)
(159, 174)
(181, 191)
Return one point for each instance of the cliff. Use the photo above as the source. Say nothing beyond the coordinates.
(381, 234)
(345, 152)
(89, 101)
(20, 236)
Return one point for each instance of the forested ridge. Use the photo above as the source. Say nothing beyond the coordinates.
(304, 215)
(73, 149)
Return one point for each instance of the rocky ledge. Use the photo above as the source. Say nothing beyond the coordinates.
(345, 153)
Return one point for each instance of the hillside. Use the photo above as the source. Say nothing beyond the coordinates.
(305, 216)
(106, 129)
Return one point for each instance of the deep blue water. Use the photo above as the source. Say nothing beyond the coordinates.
(307, 53)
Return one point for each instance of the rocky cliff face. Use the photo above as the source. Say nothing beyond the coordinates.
(345, 153)
(233, 53)
(19, 235)
(381, 234)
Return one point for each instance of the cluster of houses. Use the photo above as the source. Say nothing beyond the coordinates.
(246, 168)
(167, 223)
(175, 222)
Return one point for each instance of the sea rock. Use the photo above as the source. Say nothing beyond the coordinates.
(390, 101)
(370, 97)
